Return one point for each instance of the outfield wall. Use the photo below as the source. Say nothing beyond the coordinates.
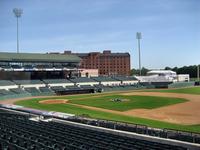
(181, 84)
(15, 96)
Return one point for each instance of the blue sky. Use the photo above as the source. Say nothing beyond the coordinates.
(170, 28)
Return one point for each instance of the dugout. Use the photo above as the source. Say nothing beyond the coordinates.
(77, 91)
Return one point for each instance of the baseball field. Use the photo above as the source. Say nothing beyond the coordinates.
(167, 108)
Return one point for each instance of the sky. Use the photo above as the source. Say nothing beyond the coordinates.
(170, 28)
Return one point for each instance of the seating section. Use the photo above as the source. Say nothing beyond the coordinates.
(5, 67)
(5, 92)
(32, 90)
(16, 67)
(45, 89)
(82, 79)
(53, 81)
(6, 83)
(104, 79)
(87, 87)
(58, 88)
(25, 82)
(23, 88)
(125, 78)
(141, 129)
(18, 91)
(18, 132)
(73, 87)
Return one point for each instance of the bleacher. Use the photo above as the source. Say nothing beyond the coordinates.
(87, 87)
(18, 91)
(103, 79)
(74, 87)
(5, 67)
(32, 90)
(27, 82)
(140, 129)
(45, 89)
(19, 133)
(6, 83)
(16, 67)
(5, 92)
(125, 78)
(82, 79)
(57, 88)
(53, 81)
(23, 88)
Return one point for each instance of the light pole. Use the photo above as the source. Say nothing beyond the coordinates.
(18, 12)
(198, 73)
(138, 37)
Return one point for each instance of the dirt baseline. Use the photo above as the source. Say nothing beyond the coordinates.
(183, 113)
(187, 113)
(54, 101)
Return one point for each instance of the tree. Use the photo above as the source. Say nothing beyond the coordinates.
(137, 71)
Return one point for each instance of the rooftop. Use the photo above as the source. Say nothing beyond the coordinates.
(37, 57)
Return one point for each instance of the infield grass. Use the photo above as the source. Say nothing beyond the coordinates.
(68, 108)
(127, 103)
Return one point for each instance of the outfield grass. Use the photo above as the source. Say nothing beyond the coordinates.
(68, 108)
(190, 90)
(131, 102)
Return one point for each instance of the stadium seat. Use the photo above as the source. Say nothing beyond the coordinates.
(18, 132)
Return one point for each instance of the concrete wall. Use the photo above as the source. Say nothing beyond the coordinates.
(129, 82)
(111, 83)
(8, 87)
(87, 83)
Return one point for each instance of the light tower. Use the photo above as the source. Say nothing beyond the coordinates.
(18, 12)
(138, 37)
(198, 72)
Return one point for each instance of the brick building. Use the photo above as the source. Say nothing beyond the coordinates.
(107, 63)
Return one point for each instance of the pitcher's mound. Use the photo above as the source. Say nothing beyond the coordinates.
(55, 101)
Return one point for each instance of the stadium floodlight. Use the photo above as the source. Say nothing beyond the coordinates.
(138, 37)
(18, 12)
(198, 72)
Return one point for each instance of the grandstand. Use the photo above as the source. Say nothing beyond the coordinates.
(58, 82)
(29, 66)
(28, 74)
(18, 91)
(37, 87)
(126, 80)
(6, 84)
(32, 90)
(84, 81)
(22, 131)
(45, 90)
(107, 81)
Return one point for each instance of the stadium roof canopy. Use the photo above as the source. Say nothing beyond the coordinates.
(36, 57)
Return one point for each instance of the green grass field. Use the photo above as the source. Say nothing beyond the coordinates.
(104, 102)
(131, 102)
(190, 90)
(68, 108)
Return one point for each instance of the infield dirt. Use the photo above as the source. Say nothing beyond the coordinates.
(187, 113)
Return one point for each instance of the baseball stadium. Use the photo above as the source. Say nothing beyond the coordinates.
(46, 104)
